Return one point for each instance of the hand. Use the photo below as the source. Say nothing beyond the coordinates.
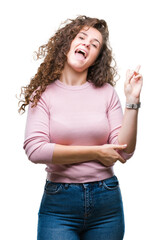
(108, 155)
(133, 85)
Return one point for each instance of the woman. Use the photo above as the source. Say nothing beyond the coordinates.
(76, 127)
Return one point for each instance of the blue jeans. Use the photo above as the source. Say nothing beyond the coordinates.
(82, 211)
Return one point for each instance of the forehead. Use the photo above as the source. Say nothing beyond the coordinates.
(92, 32)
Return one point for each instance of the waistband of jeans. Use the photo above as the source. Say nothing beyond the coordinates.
(85, 184)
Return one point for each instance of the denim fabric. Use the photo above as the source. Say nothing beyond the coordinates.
(83, 211)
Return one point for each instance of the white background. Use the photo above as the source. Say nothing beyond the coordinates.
(135, 36)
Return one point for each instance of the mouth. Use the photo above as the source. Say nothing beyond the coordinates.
(81, 52)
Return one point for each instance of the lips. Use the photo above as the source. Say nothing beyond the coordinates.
(82, 52)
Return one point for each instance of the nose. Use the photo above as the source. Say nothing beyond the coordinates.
(86, 45)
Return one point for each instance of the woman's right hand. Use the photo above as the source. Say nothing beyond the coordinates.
(108, 155)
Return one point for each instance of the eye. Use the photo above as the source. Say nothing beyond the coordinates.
(94, 45)
(81, 38)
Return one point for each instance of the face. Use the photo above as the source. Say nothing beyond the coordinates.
(84, 49)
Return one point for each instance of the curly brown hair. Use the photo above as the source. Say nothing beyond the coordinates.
(55, 56)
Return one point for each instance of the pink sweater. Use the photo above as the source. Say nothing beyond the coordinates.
(73, 115)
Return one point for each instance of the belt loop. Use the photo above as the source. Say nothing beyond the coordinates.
(66, 185)
(100, 183)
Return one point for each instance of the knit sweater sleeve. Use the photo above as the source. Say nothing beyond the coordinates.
(37, 143)
(115, 117)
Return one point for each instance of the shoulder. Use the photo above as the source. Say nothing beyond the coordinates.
(107, 90)
(110, 95)
(49, 88)
(108, 87)
(48, 91)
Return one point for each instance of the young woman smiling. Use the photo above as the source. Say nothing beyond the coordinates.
(76, 127)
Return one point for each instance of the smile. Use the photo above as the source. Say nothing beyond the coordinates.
(81, 52)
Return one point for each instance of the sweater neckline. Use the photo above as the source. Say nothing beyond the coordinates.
(72, 87)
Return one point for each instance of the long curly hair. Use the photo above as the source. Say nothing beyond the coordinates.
(55, 55)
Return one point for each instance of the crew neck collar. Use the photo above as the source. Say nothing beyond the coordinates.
(72, 87)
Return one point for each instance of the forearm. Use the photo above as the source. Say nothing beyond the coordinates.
(128, 132)
(132, 89)
(64, 154)
(106, 154)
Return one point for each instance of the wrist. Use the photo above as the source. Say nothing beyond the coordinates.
(132, 100)
(133, 105)
(96, 151)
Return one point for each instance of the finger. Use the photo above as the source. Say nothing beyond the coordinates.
(137, 68)
(129, 75)
(122, 160)
(119, 147)
(138, 77)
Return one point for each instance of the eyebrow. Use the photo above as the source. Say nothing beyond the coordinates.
(87, 36)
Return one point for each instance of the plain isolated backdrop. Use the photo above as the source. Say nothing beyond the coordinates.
(136, 38)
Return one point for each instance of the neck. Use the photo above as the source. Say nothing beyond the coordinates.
(70, 77)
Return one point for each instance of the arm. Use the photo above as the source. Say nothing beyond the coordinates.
(39, 149)
(37, 143)
(106, 154)
(128, 131)
(64, 154)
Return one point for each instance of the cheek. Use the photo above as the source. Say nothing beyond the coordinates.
(94, 56)
(74, 43)
(72, 46)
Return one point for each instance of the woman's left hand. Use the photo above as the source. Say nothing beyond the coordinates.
(133, 85)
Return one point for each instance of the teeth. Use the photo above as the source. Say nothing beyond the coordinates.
(82, 52)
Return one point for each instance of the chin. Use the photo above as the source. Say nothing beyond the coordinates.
(78, 68)
(81, 70)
